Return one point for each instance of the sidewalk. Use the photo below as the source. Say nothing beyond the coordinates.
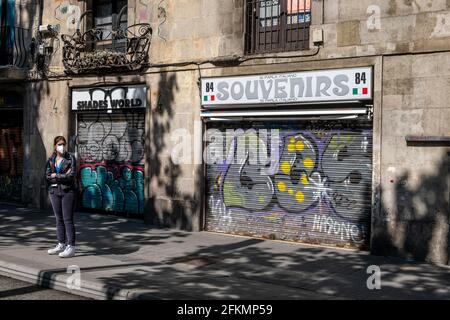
(125, 259)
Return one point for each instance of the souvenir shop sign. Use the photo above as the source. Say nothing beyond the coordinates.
(284, 88)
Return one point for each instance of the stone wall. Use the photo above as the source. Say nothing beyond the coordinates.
(415, 178)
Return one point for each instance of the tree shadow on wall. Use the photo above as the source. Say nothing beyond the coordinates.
(168, 205)
(416, 224)
(34, 191)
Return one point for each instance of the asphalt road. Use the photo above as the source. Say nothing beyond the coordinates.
(11, 289)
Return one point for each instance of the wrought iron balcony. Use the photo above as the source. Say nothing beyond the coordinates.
(14, 45)
(101, 50)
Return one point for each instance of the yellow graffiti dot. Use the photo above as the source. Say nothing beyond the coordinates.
(261, 199)
(291, 191)
(219, 180)
(271, 217)
(308, 163)
(285, 167)
(300, 146)
(292, 140)
(282, 186)
(291, 147)
(300, 197)
(305, 180)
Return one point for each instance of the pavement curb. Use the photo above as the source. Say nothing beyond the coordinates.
(57, 280)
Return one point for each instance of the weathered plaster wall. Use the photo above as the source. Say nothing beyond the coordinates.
(175, 188)
(46, 115)
(415, 178)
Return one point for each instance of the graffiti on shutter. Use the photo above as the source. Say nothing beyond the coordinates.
(320, 192)
(111, 152)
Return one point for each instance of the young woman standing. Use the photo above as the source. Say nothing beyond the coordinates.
(60, 174)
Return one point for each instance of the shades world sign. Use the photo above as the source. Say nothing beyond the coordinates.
(109, 98)
(297, 87)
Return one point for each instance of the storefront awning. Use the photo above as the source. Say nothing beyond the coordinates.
(286, 114)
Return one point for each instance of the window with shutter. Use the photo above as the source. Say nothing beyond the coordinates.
(106, 18)
(277, 25)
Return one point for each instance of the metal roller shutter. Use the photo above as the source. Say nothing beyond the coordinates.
(11, 155)
(110, 149)
(11, 163)
(312, 184)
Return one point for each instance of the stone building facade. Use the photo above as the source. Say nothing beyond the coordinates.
(126, 156)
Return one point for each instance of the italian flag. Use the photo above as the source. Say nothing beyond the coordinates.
(360, 91)
(209, 98)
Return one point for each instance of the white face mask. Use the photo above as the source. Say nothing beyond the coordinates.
(60, 149)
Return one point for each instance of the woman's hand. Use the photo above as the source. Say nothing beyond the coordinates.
(53, 175)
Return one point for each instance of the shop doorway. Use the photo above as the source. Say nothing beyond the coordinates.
(11, 155)
(320, 189)
(110, 152)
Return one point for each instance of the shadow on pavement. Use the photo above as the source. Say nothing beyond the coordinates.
(209, 266)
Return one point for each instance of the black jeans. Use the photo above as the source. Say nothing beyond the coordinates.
(63, 203)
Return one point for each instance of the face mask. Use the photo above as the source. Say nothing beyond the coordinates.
(60, 149)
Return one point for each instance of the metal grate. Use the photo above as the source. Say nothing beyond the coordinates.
(14, 43)
(316, 189)
(277, 25)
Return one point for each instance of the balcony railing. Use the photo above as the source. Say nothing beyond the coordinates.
(14, 45)
(100, 50)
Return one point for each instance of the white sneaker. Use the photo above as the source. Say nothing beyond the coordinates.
(69, 252)
(59, 248)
